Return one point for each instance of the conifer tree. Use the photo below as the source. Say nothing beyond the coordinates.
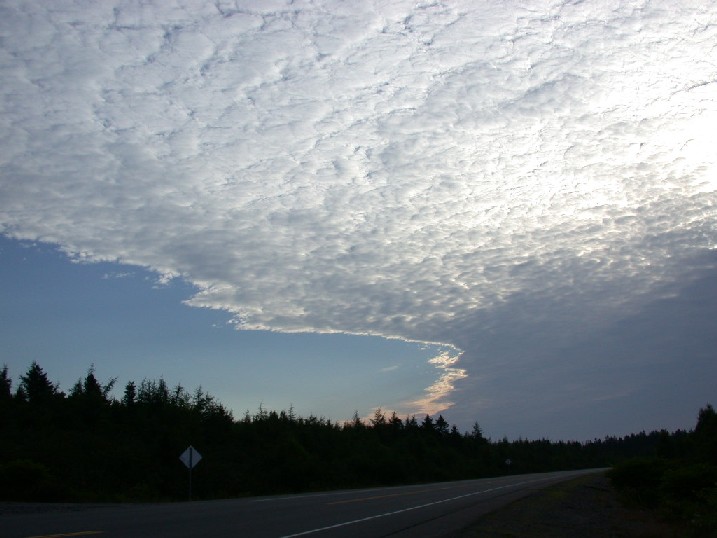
(379, 419)
(477, 433)
(130, 394)
(36, 387)
(442, 425)
(5, 385)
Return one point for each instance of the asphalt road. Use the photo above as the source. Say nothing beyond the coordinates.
(417, 511)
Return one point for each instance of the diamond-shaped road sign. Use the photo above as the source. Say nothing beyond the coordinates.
(190, 457)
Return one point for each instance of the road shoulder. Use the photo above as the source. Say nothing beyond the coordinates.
(587, 506)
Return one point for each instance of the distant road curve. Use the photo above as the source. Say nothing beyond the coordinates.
(417, 511)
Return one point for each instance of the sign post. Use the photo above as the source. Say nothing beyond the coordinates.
(190, 457)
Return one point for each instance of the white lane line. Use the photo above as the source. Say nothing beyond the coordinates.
(337, 525)
(292, 497)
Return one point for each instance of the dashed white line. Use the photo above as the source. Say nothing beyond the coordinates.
(344, 524)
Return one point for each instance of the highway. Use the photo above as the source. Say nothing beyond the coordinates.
(425, 510)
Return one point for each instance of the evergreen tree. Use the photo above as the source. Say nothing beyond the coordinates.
(477, 433)
(130, 394)
(90, 398)
(442, 426)
(379, 419)
(706, 434)
(36, 387)
(5, 385)
(411, 423)
(356, 422)
(91, 390)
(427, 424)
(90, 447)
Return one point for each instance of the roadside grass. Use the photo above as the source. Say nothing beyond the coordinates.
(683, 493)
(587, 506)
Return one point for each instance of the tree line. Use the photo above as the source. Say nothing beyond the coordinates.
(89, 445)
(678, 482)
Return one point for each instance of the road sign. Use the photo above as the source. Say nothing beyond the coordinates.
(190, 457)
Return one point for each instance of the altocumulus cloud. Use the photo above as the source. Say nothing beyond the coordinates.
(509, 179)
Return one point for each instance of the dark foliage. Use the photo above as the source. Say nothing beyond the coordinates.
(90, 446)
(680, 479)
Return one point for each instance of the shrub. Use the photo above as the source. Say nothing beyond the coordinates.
(688, 482)
(687, 491)
(26, 480)
(639, 479)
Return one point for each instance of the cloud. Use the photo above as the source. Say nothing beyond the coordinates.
(646, 365)
(117, 274)
(421, 171)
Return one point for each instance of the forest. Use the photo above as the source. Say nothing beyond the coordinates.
(88, 445)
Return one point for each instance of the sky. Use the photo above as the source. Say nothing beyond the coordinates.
(502, 212)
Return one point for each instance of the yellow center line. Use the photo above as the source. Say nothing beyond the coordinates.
(63, 535)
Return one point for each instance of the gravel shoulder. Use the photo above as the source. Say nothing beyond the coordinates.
(587, 507)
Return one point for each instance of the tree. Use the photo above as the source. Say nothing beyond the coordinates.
(706, 420)
(130, 394)
(442, 425)
(153, 393)
(706, 434)
(36, 387)
(91, 390)
(477, 433)
(379, 419)
(427, 424)
(5, 385)
(356, 422)
(208, 408)
(90, 398)
(395, 422)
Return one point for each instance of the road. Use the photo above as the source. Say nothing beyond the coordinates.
(417, 511)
